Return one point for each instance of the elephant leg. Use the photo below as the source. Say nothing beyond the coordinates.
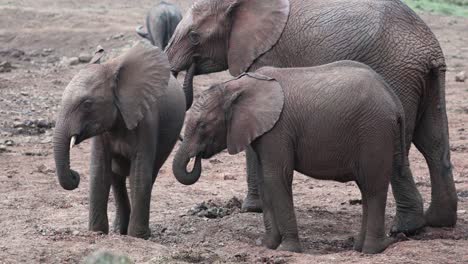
(359, 240)
(277, 178)
(409, 218)
(252, 202)
(141, 184)
(272, 237)
(376, 240)
(119, 188)
(100, 182)
(432, 140)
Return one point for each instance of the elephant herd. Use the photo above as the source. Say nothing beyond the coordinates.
(336, 90)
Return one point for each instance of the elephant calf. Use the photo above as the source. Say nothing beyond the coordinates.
(134, 110)
(338, 121)
(161, 22)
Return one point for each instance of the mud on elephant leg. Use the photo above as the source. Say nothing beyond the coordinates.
(252, 202)
(432, 140)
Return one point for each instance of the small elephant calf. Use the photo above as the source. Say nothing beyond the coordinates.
(134, 110)
(338, 121)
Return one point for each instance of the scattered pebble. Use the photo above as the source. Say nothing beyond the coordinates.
(461, 211)
(9, 142)
(76, 232)
(6, 66)
(228, 177)
(355, 201)
(460, 77)
(84, 57)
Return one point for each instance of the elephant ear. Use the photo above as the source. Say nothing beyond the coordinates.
(141, 77)
(253, 107)
(257, 26)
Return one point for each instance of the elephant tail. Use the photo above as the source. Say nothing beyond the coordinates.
(403, 155)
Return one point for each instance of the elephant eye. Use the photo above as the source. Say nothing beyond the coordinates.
(87, 104)
(194, 37)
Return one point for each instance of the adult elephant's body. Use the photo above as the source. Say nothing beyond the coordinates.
(385, 35)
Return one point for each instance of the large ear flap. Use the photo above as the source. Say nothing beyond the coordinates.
(253, 107)
(257, 26)
(141, 77)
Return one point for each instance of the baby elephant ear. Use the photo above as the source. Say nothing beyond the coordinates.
(97, 55)
(254, 106)
(141, 78)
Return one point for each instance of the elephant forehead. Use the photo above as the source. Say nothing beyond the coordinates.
(87, 81)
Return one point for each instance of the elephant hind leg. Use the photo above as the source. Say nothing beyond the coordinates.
(122, 203)
(432, 140)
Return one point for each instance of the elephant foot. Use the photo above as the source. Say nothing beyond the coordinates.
(441, 216)
(377, 245)
(99, 228)
(269, 241)
(407, 223)
(119, 227)
(290, 245)
(144, 233)
(251, 204)
(358, 242)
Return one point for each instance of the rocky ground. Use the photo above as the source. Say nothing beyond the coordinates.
(43, 43)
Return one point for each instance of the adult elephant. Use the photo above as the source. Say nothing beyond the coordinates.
(243, 35)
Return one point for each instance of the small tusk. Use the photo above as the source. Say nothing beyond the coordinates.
(190, 165)
(72, 141)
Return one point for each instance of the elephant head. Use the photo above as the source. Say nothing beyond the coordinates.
(229, 115)
(102, 97)
(218, 35)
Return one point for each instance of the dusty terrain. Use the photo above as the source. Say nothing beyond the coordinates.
(42, 223)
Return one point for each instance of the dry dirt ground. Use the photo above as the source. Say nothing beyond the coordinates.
(42, 223)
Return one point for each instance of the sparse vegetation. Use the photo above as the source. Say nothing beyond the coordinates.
(446, 7)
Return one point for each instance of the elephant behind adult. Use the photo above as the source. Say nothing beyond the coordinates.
(161, 22)
(242, 35)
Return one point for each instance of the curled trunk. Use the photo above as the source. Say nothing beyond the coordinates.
(69, 179)
(179, 167)
(188, 86)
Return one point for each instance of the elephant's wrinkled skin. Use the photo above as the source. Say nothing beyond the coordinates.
(161, 21)
(335, 122)
(134, 110)
(242, 35)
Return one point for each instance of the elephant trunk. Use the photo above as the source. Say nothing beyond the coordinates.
(179, 167)
(69, 179)
(188, 86)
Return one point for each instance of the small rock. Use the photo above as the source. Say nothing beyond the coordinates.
(6, 66)
(9, 142)
(2, 148)
(103, 257)
(24, 93)
(84, 57)
(73, 61)
(460, 77)
(15, 53)
(76, 232)
(118, 36)
(228, 177)
(355, 201)
(461, 211)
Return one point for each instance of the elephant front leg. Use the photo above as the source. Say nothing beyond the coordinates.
(252, 202)
(100, 182)
(280, 219)
(121, 169)
(140, 195)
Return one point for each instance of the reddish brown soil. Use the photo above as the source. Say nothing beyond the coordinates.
(41, 222)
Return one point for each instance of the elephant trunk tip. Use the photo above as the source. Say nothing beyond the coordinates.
(71, 182)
